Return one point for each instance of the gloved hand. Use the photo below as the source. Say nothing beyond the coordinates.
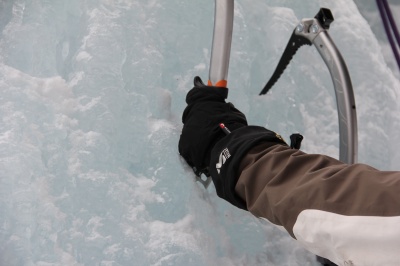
(205, 111)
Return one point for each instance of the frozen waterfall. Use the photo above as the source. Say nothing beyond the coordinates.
(92, 93)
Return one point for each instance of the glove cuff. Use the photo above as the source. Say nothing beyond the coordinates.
(229, 152)
(206, 94)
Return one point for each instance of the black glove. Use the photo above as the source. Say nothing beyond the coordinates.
(205, 111)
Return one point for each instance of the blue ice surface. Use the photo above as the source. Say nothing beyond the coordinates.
(91, 99)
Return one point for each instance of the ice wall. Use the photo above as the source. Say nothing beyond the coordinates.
(91, 98)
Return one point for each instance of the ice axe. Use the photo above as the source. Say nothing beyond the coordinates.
(220, 53)
(315, 31)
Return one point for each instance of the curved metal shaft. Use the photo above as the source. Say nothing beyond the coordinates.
(346, 105)
(312, 30)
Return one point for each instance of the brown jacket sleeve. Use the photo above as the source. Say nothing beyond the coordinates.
(349, 214)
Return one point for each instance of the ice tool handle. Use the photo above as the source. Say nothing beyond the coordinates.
(315, 31)
(221, 46)
(220, 53)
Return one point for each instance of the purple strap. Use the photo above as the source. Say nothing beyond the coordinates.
(390, 27)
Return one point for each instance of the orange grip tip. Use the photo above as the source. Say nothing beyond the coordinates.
(220, 83)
